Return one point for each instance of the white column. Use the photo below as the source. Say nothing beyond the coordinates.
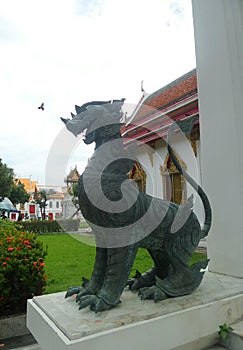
(218, 26)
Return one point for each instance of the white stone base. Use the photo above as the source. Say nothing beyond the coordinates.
(176, 323)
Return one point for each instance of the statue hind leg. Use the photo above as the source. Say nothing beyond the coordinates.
(182, 279)
(160, 269)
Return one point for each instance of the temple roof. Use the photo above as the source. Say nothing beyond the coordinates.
(156, 112)
(73, 176)
(29, 184)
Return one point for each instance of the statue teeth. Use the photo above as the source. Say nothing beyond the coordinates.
(78, 109)
(64, 120)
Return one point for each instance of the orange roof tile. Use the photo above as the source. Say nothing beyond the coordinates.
(168, 95)
(154, 114)
(29, 184)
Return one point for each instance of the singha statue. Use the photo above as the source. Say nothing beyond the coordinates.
(124, 219)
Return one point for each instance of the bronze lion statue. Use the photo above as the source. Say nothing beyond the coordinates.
(124, 219)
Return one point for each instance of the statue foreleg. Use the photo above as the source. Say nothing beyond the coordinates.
(119, 264)
(93, 285)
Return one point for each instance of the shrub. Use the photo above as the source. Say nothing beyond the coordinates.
(21, 267)
(69, 224)
(41, 226)
(84, 224)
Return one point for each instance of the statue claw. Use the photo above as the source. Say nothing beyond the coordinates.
(95, 303)
(71, 291)
(159, 295)
(86, 300)
(146, 293)
(152, 293)
(82, 292)
(141, 280)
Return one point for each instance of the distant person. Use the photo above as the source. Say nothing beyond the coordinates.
(3, 215)
(20, 216)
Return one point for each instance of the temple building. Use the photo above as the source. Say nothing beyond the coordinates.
(72, 177)
(154, 172)
(68, 207)
(31, 210)
(55, 195)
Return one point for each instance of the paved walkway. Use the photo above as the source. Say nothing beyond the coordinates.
(25, 342)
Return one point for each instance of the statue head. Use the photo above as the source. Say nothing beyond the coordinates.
(98, 120)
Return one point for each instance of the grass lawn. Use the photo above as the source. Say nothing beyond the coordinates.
(72, 256)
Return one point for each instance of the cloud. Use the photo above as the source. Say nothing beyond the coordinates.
(90, 8)
(69, 52)
(9, 32)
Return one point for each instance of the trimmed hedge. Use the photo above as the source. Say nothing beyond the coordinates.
(41, 226)
(69, 224)
(47, 226)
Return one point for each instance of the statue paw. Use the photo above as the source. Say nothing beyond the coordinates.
(72, 290)
(152, 293)
(83, 292)
(87, 300)
(95, 303)
(147, 292)
(141, 280)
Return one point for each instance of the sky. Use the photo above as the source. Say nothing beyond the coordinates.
(67, 52)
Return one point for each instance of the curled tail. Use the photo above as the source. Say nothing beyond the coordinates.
(207, 207)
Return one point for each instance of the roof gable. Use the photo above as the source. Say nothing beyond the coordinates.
(177, 90)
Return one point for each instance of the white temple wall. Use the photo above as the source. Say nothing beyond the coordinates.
(152, 160)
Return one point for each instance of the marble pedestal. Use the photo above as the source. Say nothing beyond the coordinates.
(188, 322)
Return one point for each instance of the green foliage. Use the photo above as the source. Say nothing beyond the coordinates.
(72, 256)
(22, 267)
(67, 261)
(18, 194)
(69, 224)
(197, 257)
(6, 179)
(224, 330)
(44, 226)
(73, 191)
(47, 226)
(83, 224)
(41, 200)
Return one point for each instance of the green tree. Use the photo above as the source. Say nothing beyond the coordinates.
(6, 179)
(18, 194)
(41, 200)
(73, 191)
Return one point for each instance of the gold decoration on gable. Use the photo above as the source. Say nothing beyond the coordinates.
(193, 137)
(138, 175)
(172, 169)
(174, 184)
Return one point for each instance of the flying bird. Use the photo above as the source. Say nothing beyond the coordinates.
(142, 89)
(41, 106)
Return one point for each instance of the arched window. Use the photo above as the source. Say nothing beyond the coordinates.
(174, 184)
(138, 175)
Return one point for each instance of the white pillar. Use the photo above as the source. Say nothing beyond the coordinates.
(218, 26)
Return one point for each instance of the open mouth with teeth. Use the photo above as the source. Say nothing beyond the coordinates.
(94, 119)
(84, 135)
